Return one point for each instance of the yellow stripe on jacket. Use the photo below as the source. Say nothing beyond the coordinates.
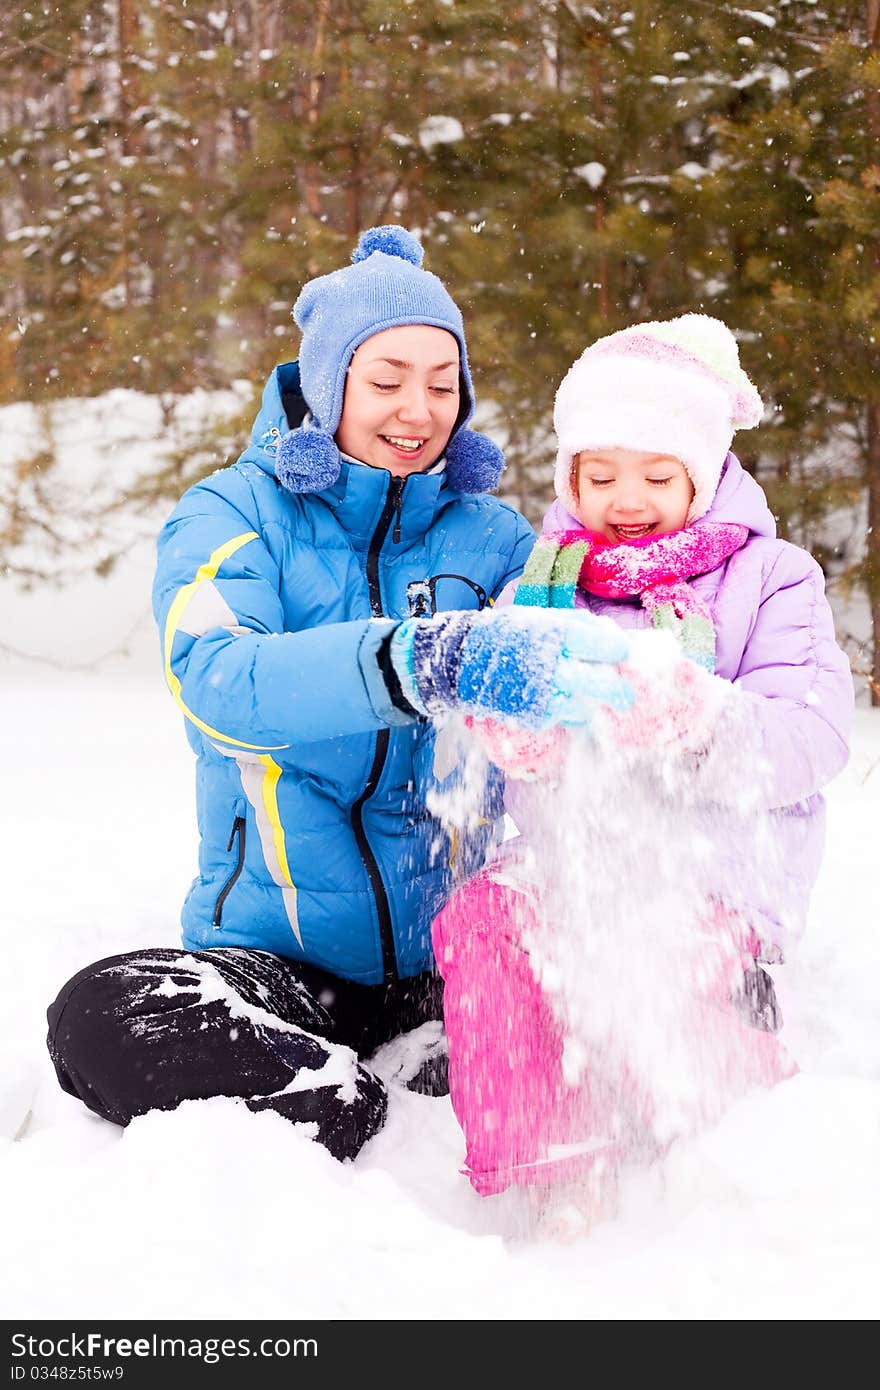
(205, 574)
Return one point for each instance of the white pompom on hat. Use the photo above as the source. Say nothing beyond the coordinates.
(673, 387)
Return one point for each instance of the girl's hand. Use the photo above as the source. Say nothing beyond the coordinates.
(526, 755)
(675, 708)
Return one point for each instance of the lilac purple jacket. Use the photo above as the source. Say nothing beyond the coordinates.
(775, 642)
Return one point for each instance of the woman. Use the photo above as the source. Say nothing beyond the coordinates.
(294, 589)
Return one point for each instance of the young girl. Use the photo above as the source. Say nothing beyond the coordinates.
(656, 525)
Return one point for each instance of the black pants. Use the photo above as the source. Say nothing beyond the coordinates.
(148, 1030)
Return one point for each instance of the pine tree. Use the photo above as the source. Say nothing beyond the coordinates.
(172, 171)
(793, 224)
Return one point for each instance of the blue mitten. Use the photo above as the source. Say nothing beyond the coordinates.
(530, 666)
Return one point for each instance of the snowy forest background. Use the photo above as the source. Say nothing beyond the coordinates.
(171, 171)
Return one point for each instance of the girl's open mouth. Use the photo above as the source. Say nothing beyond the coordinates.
(634, 533)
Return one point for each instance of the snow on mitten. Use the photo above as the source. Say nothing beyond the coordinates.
(527, 755)
(676, 701)
(526, 666)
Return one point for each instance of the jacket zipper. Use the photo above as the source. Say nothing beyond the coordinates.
(392, 508)
(398, 508)
(238, 829)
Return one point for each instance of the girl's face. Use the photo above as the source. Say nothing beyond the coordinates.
(626, 495)
(401, 399)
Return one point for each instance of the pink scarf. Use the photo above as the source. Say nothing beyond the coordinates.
(656, 569)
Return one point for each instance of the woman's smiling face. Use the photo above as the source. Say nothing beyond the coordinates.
(628, 495)
(401, 399)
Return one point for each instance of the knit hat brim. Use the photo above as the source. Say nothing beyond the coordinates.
(631, 405)
(664, 388)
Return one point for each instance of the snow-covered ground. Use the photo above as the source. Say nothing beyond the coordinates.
(213, 1212)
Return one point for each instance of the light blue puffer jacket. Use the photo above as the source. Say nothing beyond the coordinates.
(272, 606)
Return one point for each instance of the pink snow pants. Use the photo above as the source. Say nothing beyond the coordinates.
(522, 1122)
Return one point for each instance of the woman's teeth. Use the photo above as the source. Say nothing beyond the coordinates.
(411, 445)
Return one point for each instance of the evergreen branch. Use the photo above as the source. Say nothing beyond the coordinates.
(34, 44)
(579, 21)
(817, 42)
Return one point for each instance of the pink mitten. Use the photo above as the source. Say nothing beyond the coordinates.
(523, 754)
(675, 707)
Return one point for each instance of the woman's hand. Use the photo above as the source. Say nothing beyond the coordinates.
(531, 667)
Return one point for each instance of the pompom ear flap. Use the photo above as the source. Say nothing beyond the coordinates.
(307, 461)
(473, 462)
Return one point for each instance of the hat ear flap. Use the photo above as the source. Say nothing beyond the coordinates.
(473, 462)
(307, 461)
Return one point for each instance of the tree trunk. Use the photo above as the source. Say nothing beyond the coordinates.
(872, 461)
(128, 29)
(872, 543)
(311, 181)
(126, 103)
(601, 196)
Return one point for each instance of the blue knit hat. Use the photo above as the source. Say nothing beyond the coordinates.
(385, 287)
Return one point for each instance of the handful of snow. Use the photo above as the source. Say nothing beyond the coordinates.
(676, 703)
(631, 847)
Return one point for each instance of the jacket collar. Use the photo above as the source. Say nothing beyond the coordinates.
(361, 494)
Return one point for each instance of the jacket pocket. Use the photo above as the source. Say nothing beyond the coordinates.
(236, 836)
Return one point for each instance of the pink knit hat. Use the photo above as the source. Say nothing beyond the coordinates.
(669, 388)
